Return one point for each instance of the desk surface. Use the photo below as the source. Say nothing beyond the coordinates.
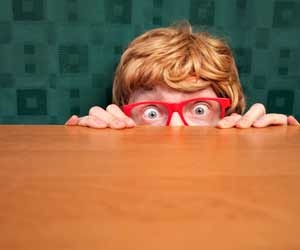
(149, 188)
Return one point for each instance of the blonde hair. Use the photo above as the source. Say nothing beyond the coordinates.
(169, 56)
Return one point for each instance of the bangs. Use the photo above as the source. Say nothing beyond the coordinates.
(184, 58)
(147, 75)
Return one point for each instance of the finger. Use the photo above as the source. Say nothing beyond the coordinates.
(270, 119)
(229, 121)
(111, 120)
(73, 120)
(291, 120)
(254, 113)
(117, 112)
(92, 122)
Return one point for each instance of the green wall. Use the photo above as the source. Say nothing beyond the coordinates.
(57, 57)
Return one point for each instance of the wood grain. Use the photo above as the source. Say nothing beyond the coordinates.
(149, 188)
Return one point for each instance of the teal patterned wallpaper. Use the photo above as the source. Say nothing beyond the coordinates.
(57, 57)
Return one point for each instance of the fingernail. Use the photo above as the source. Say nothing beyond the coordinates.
(130, 122)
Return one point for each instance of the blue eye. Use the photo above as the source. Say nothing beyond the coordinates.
(200, 109)
(151, 113)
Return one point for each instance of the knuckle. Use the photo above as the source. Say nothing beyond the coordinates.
(110, 107)
(276, 121)
(89, 119)
(83, 122)
(232, 119)
(93, 122)
(280, 119)
(228, 119)
(113, 120)
(93, 110)
(237, 117)
(246, 118)
(260, 106)
(116, 123)
(244, 122)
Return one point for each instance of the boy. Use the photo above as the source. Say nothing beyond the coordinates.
(174, 77)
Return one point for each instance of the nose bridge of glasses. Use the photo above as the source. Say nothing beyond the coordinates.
(174, 107)
(175, 118)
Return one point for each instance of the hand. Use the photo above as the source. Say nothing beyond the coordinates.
(112, 117)
(256, 117)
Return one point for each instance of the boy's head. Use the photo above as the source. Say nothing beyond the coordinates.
(180, 59)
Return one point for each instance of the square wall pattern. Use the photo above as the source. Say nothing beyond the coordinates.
(58, 57)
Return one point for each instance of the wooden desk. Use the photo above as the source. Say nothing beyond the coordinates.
(149, 188)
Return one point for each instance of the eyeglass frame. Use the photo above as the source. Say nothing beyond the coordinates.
(178, 106)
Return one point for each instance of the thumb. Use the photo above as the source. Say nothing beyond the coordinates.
(73, 120)
(291, 120)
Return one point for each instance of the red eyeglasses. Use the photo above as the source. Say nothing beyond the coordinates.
(193, 112)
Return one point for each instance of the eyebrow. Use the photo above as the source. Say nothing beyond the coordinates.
(152, 94)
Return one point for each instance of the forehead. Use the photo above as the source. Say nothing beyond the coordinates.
(159, 93)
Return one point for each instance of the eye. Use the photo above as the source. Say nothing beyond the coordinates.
(200, 109)
(151, 113)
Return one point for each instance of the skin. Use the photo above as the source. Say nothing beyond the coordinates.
(113, 117)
